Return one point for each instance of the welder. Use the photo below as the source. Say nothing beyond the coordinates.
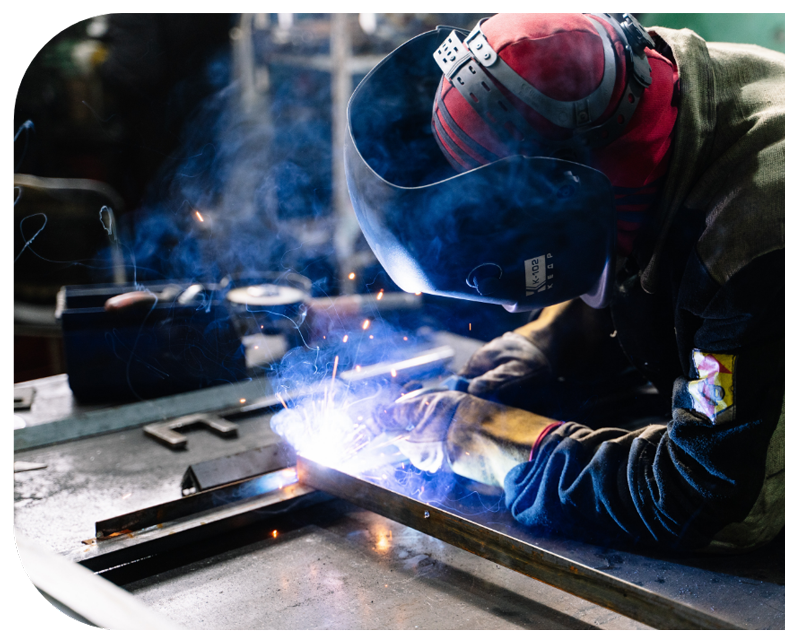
(628, 184)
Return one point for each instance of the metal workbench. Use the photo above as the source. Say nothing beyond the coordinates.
(332, 564)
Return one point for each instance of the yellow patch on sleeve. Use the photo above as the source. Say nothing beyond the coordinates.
(712, 393)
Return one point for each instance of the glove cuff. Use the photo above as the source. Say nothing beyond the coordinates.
(486, 439)
(543, 434)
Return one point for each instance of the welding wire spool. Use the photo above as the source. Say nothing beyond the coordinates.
(269, 303)
(265, 295)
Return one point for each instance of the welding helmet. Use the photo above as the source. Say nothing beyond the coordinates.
(531, 228)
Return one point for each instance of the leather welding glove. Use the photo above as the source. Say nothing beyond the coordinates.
(538, 366)
(503, 368)
(426, 417)
(475, 438)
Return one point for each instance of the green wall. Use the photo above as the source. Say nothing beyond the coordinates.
(764, 29)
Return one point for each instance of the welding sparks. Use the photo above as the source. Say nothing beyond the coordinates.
(127, 496)
(357, 367)
(405, 338)
(367, 323)
(352, 276)
(418, 293)
(328, 394)
(393, 373)
(345, 338)
(380, 294)
(281, 400)
(470, 326)
(242, 401)
(370, 337)
(199, 216)
(275, 534)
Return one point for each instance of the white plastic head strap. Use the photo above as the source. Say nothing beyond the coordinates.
(451, 55)
(477, 88)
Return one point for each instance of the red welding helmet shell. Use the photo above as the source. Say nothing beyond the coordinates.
(560, 55)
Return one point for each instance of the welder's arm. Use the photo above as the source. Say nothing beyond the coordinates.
(566, 341)
(714, 476)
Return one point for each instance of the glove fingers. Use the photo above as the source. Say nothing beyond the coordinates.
(427, 417)
(428, 457)
(509, 374)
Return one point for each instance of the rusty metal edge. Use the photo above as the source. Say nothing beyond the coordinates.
(570, 576)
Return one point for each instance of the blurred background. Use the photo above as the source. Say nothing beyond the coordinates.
(201, 149)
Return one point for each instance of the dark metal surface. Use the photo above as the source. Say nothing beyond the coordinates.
(336, 566)
(696, 593)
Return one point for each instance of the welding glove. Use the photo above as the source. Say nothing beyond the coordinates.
(475, 438)
(504, 368)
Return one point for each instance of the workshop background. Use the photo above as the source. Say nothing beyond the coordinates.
(237, 117)
(183, 174)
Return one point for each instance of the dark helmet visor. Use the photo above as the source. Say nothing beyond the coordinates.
(521, 232)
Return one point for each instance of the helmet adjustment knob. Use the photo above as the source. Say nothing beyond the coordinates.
(485, 278)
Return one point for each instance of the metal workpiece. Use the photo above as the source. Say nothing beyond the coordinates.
(193, 504)
(502, 546)
(422, 365)
(336, 566)
(159, 539)
(221, 471)
(166, 432)
(23, 397)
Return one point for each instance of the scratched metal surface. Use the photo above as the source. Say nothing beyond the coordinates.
(341, 567)
(747, 590)
(347, 568)
(91, 479)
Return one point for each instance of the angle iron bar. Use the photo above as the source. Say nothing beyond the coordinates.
(186, 506)
(133, 546)
(573, 577)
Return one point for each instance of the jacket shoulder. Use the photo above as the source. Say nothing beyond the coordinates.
(739, 123)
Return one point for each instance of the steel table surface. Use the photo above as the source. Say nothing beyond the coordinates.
(337, 566)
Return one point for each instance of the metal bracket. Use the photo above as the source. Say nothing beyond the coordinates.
(165, 433)
(23, 397)
(450, 55)
(638, 39)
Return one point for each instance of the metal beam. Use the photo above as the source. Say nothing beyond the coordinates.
(510, 551)
(99, 555)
